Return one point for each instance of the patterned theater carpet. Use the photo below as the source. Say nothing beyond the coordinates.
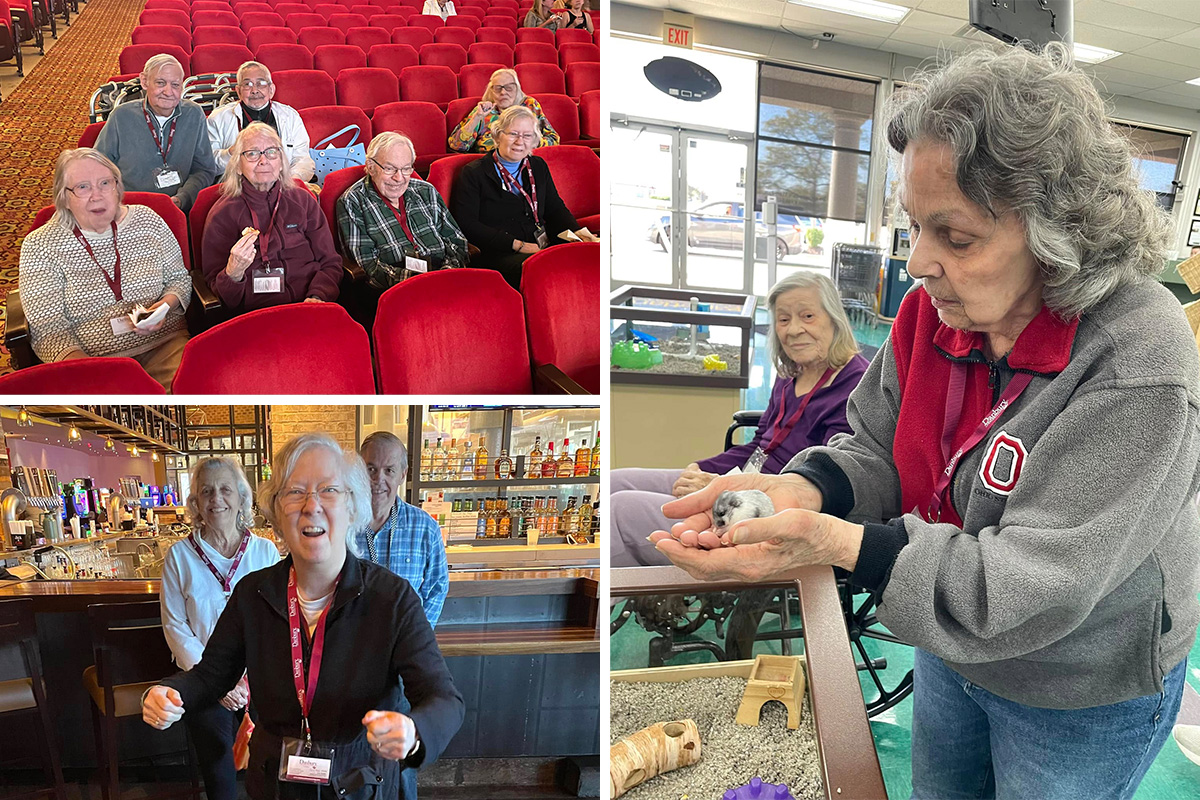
(46, 114)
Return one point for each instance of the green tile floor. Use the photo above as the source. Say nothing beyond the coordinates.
(1172, 777)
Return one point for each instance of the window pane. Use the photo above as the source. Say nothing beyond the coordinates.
(814, 108)
(813, 181)
(1157, 162)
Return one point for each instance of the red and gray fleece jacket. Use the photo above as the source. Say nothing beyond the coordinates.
(1064, 570)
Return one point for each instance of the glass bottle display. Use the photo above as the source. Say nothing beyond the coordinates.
(481, 521)
(595, 470)
(465, 468)
(585, 514)
(490, 520)
(583, 460)
(568, 523)
(452, 461)
(438, 470)
(551, 526)
(504, 522)
(566, 466)
(534, 459)
(503, 466)
(549, 465)
(481, 460)
(426, 461)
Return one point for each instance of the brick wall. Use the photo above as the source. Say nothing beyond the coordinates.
(338, 421)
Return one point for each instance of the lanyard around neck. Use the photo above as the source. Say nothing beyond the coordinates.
(164, 152)
(515, 186)
(305, 689)
(226, 581)
(782, 432)
(114, 280)
(264, 233)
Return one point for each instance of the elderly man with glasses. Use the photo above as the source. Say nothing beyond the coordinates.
(161, 144)
(256, 95)
(393, 224)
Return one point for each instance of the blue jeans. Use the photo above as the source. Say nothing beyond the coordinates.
(970, 743)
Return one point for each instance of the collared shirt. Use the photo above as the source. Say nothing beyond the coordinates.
(375, 240)
(477, 138)
(410, 545)
(264, 115)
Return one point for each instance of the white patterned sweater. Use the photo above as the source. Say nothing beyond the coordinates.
(68, 302)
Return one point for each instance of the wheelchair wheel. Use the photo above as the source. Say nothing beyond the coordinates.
(861, 623)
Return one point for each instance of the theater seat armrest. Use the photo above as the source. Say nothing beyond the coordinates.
(549, 379)
(352, 271)
(208, 299)
(16, 333)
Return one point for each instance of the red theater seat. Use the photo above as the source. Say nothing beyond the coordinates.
(457, 110)
(415, 38)
(368, 10)
(490, 53)
(287, 9)
(167, 16)
(323, 121)
(366, 37)
(260, 36)
(208, 5)
(134, 56)
(444, 55)
(83, 375)
(344, 22)
(582, 76)
(336, 183)
(589, 115)
(278, 57)
(444, 172)
(559, 286)
(304, 88)
(297, 22)
(536, 53)
(327, 10)
(541, 35)
(163, 34)
(315, 36)
(467, 21)
(392, 56)
(90, 134)
(430, 84)
(463, 37)
(286, 349)
(216, 58)
(473, 79)
(388, 22)
(491, 21)
(367, 88)
(206, 198)
(260, 19)
(218, 34)
(178, 5)
(576, 173)
(424, 123)
(474, 345)
(333, 58)
(563, 115)
(501, 35)
(565, 35)
(571, 52)
(214, 18)
(430, 21)
(243, 8)
(541, 78)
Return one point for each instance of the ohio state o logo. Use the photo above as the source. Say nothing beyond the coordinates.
(1002, 465)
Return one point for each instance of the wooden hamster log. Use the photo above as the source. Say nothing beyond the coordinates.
(652, 751)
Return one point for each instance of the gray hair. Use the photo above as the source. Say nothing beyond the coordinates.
(249, 65)
(841, 350)
(66, 158)
(387, 439)
(1030, 134)
(157, 62)
(386, 141)
(231, 184)
(352, 473)
(204, 467)
(518, 95)
(510, 115)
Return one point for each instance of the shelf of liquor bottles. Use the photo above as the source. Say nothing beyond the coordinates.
(159, 428)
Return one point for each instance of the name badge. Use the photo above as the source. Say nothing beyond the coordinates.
(416, 264)
(542, 240)
(121, 325)
(756, 461)
(268, 280)
(166, 178)
(303, 761)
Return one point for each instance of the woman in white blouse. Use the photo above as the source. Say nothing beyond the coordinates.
(198, 576)
(443, 8)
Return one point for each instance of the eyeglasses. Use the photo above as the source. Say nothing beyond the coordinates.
(519, 137)
(508, 88)
(391, 172)
(260, 83)
(272, 154)
(295, 499)
(106, 186)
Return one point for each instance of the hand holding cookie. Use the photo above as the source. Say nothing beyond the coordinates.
(241, 255)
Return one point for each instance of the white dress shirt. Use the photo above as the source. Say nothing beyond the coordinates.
(432, 7)
(223, 129)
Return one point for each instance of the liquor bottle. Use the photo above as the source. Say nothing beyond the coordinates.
(481, 460)
(438, 470)
(452, 461)
(551, 527)
(539, 513)
(534, 466)
(549, 465)
(595, 519)
(465, 467)
(503, 466)
(585, 515)
(490, 520)
(504, 524)
(583, 460)
(568, 523)
(566, 467)
(457, 506)
(426, 461)
(521, 526)
(481, 521)
(595, 470)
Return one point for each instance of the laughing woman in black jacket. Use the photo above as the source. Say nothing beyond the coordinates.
(376, 690)
(506, 202)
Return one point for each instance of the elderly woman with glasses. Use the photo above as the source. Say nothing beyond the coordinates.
(199, 575)
(474, 134)
(506, 202)
(370, 699)
(266, 241)
(93, 263)
(392, 223)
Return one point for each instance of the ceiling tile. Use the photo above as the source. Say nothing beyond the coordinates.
(1189, 38)
(906, 49)
(924, 21)
(947, 8)
(771, 8)
(1178, 9)
(1121, 41)
(1150, 66)
(833, 21)
(1175, 53)
(927, 38)
(1107, 72)
(1159, 96)
(1132, 20)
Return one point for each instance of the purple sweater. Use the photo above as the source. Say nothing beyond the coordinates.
(825, 416)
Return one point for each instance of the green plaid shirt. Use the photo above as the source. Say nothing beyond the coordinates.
(373, 238)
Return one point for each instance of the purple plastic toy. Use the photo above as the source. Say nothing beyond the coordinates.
(757, 790)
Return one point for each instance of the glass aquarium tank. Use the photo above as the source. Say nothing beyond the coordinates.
(682, 337)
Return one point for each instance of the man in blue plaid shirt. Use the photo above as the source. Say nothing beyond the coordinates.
(402, 537)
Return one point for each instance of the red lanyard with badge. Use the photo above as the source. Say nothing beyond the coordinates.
(303, 760)
(266, 279)
(226, 581)
(114, 280)
(401, 214)
(164, 177)
(514, 186)
(955, 401)
(781, 432)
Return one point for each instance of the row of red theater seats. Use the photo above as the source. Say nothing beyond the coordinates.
(379, 29)
(344, 18)
(550, 329)
(407, 7)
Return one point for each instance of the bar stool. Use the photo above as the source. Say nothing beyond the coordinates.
(131, 655)
(27, 694)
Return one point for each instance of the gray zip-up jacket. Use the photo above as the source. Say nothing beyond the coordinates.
(1064, 573)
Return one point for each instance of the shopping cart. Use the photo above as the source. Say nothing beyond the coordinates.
(856, 273)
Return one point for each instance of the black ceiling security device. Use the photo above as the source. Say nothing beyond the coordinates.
(683, 79)
(1027, 22)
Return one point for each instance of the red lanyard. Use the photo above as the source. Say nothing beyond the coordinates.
(264, 234)
(305, 691)
(955, 400)
(515, 186)
(401, 214)
(157, 138)
(114, 280)
(781, 433)
(226, 581)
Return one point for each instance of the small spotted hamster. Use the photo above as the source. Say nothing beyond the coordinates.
(731, 507)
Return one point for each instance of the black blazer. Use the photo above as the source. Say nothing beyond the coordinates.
(379, 652)
(491, 216)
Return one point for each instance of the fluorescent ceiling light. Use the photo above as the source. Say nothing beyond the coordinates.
(1087, 54)
(871, 9)
(1194, 81)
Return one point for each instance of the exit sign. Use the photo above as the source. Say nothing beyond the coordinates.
(677, 35)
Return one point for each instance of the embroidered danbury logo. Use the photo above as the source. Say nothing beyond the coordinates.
(1002, 465)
